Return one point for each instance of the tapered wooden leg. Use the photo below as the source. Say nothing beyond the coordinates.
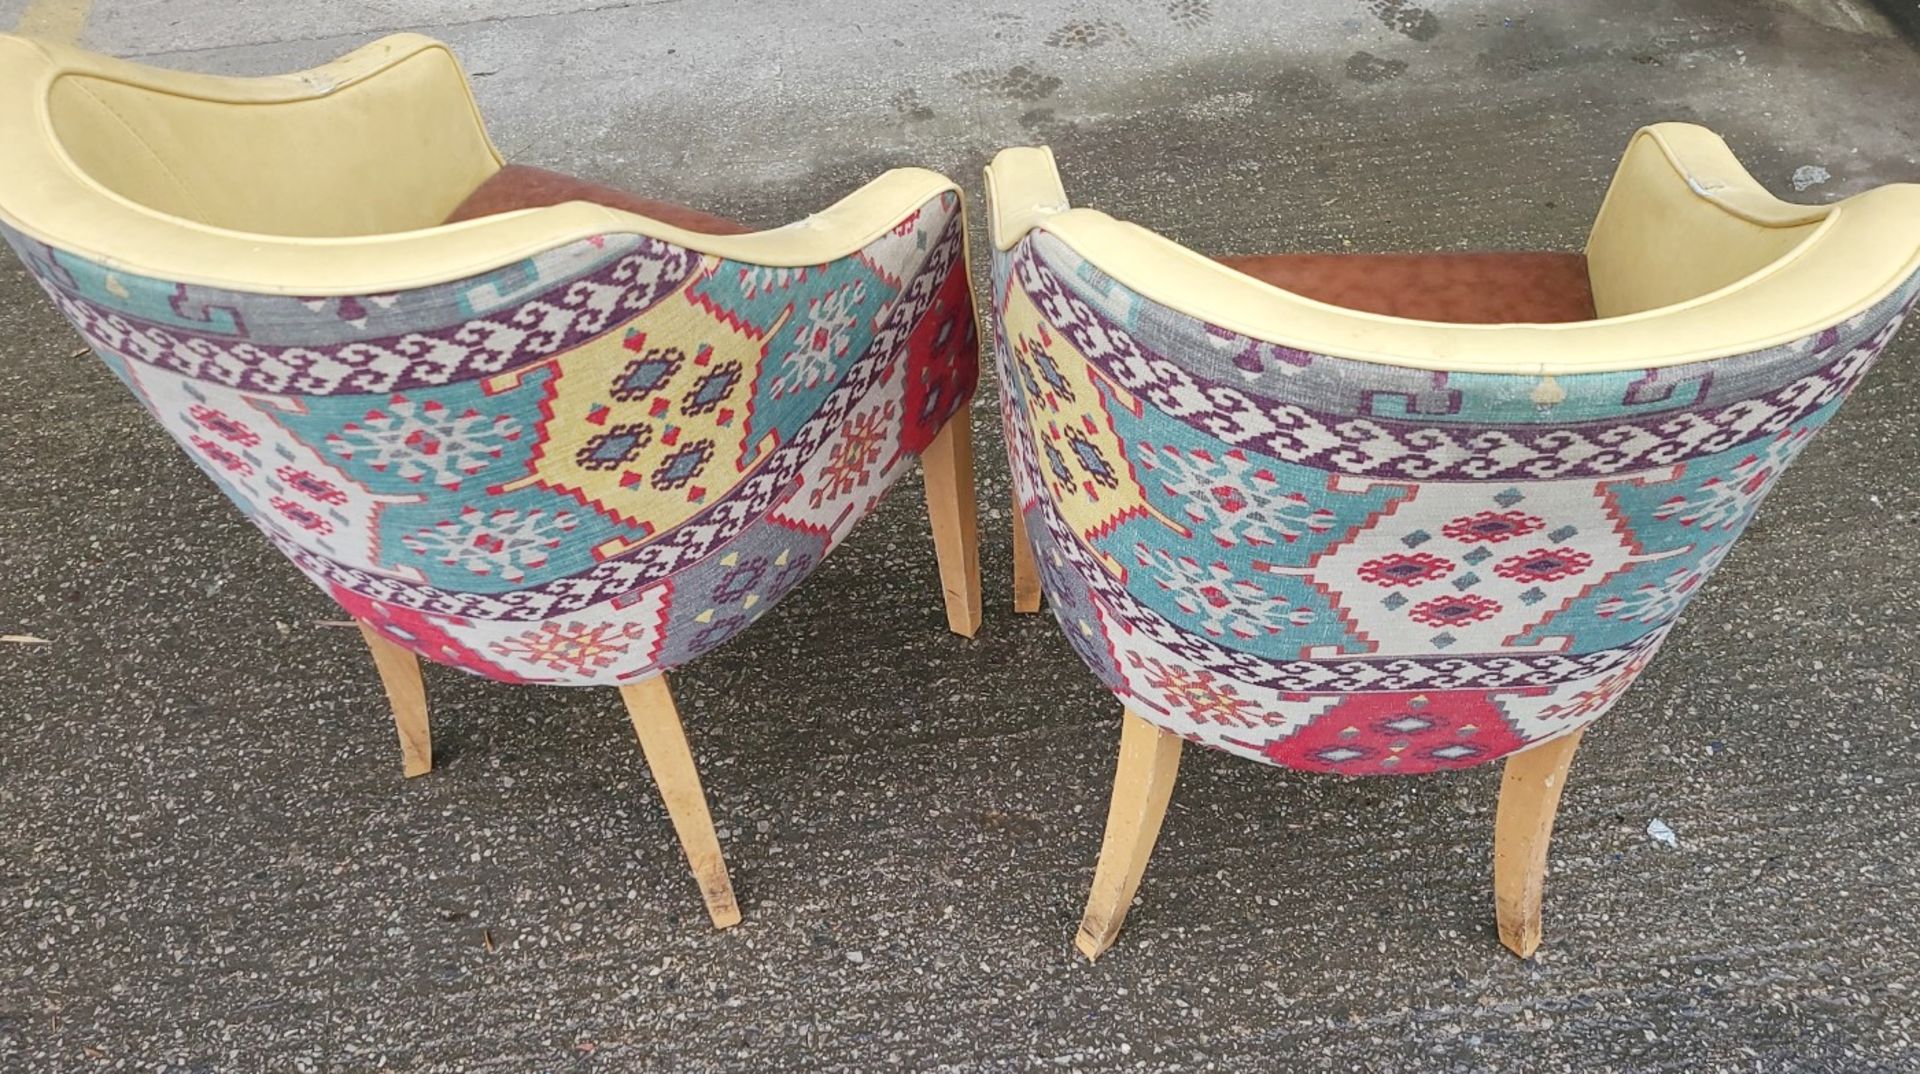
(1149, 761)
(948, 466)
(1529, 798)
(407, 693)
(1026, 572)
(664, 742)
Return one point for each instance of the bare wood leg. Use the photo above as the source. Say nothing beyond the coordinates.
(1523, 825)
(407, 693)
(664, 743)
(1026, 573)
(948, 466)
(1149, 761)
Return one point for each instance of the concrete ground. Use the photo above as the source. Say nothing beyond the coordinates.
(209, 862)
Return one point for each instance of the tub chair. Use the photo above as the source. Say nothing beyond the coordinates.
(1398, 514)
(536, 430)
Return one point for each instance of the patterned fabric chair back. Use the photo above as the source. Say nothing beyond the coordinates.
(1360, 567)
(583, 465)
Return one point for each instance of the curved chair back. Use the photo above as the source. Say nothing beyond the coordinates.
(1351, 543)
(570, 444)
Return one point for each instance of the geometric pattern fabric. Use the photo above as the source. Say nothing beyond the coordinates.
(1351, 567)
(582, 468)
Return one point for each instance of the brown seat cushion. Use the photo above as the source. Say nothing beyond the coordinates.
(1472, 288)
(518, 186)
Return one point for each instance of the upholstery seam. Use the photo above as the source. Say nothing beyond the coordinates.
(165, 168)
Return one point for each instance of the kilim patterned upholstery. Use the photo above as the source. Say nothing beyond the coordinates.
(583, 467)
(1364, 568)
(536, 429)
(1392, 514)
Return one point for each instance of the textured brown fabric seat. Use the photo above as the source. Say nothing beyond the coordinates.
(518, 186)
(1461, 288)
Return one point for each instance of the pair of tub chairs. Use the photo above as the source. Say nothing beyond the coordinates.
(1352, 514)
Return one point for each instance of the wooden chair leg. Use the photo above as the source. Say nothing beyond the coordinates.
(1523, 825)
(1026, 572)
(664, 743)
(407, 693)
(1149, 762)
(948, 466)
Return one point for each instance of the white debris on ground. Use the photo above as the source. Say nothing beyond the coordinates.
(1809, 175)
(1658, 831)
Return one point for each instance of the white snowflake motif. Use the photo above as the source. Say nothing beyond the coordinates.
(503, 544)
(1232, 499)
(1222, 603)
(1728, 502)
(757, 280)
(1657, 602)
(821, 339)
(425, 441)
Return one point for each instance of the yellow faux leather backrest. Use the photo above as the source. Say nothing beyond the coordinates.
(1690, 259)
(373, 156)
(329, 181)
(1684, 219)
